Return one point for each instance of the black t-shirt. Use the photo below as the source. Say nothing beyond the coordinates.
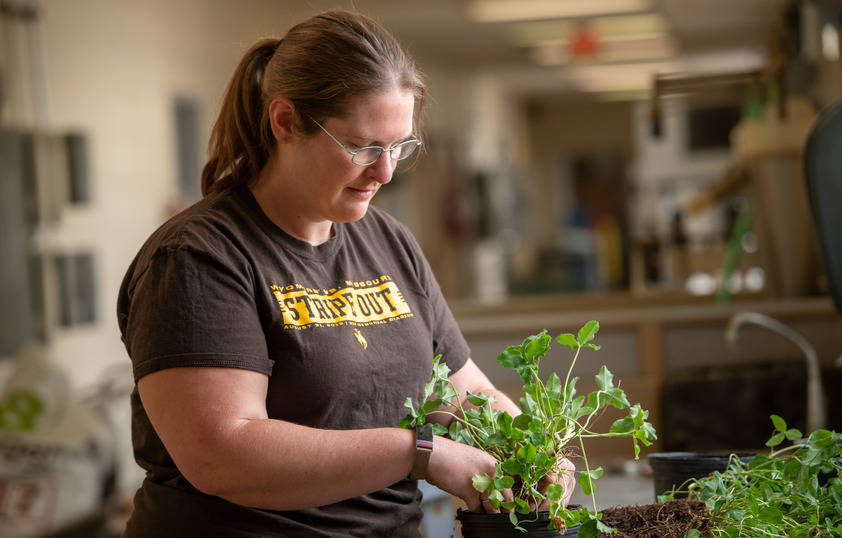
(346, 331)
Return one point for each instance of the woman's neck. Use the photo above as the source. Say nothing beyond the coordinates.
(285, 214)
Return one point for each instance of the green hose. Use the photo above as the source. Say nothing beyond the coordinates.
(732, 254)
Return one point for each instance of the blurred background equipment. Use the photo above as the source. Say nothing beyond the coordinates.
(58, 451)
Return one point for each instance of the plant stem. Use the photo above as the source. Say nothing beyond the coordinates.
(587, 467)
(570, 370)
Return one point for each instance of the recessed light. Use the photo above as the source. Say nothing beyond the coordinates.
(524, 10)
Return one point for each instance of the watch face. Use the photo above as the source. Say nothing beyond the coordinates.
(424, 433)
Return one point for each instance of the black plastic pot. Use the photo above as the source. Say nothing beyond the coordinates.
(482, 525)
(672, 469)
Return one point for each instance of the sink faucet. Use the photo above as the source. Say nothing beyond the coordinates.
(815, 395)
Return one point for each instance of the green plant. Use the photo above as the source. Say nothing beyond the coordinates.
(794, 491)
(553, 418)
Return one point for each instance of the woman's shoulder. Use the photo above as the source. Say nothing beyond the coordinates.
(215, 223)
(209, 217)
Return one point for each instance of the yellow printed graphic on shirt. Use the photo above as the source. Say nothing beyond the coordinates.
(354, 303)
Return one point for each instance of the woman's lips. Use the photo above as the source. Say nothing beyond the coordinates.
(364, 194)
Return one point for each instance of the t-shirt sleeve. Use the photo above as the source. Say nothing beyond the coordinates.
(188, 308)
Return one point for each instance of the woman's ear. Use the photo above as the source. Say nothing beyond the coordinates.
(281, 117)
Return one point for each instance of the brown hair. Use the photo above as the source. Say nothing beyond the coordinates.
(321, 65)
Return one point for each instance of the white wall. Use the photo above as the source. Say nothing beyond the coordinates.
(113, 70)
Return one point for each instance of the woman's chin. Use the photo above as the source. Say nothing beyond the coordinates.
(352, 212)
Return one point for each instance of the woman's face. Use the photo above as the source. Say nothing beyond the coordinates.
(329, 187)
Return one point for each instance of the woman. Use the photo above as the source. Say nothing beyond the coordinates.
(277, 326)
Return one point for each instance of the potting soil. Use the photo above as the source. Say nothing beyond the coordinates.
(669, 519)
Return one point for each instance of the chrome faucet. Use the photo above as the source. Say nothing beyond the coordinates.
(816, 418)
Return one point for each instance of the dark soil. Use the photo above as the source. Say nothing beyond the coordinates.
(669, 519)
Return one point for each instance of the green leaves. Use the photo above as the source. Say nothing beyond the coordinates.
(555, 492)
(494, 487)
(794, 491)
(553, 418)
(591, 524)
(607, 394)
(781, 432)
(586, 334)
(635, 425)
(587, 477)
(524, 359)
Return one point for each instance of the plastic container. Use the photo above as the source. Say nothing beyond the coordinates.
(672, 469)
(482, 525)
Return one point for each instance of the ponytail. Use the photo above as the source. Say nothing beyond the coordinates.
(241, 140)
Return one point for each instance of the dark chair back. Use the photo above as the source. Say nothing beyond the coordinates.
(823, 173)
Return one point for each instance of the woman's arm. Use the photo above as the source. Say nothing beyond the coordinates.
(471, 378)
(213, 422)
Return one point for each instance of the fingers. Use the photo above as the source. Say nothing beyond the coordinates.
(568, 479)
(453, 465)
(485, 504)
(477, 505)
(508, 496)
(452, 468)
(564, 474)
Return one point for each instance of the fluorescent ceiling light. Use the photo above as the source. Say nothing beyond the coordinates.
(620, 38)
(623, 77)
(527, 34)
(640, 76)
(524, 10)
(830, 42)
(727, 61)
(608, 51)
(622, 95)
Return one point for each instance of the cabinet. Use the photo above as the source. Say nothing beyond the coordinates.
(43, 284)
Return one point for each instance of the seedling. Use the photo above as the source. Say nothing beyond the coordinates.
(552, 422)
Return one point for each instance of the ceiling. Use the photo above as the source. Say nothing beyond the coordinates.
(439, 31)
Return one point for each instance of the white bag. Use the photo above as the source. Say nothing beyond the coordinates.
(56, 454)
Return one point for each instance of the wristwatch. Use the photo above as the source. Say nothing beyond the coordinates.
(423, 449)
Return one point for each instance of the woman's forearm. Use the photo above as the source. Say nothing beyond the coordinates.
(277, 465)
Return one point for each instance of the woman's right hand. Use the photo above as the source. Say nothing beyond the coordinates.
(452, 468)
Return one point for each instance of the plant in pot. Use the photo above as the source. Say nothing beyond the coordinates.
(554, 422)
(794, 491)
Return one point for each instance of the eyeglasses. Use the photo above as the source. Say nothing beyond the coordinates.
(369, 154)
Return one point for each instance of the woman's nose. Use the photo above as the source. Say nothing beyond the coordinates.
(382, 169)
